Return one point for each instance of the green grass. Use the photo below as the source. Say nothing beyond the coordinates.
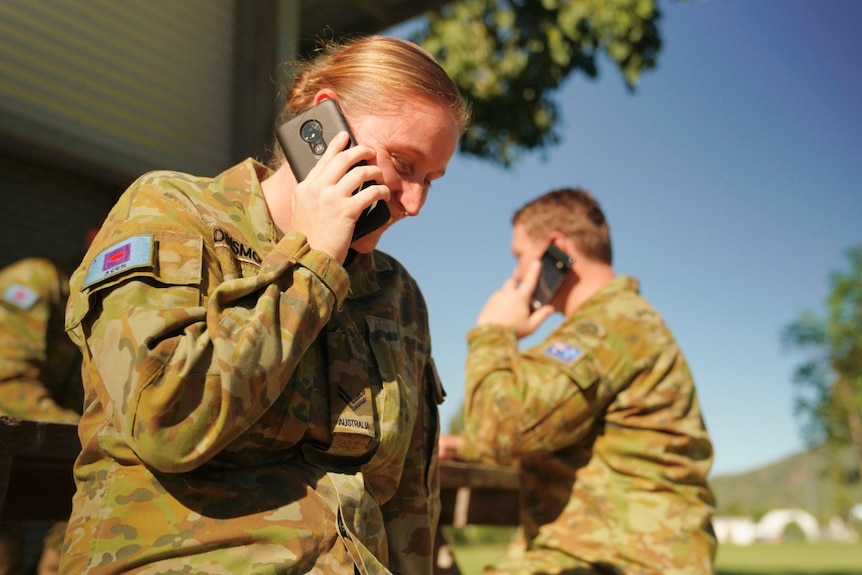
(764, 559)
(471, 558)
(797, 558)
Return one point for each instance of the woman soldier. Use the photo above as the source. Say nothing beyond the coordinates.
(257, 400)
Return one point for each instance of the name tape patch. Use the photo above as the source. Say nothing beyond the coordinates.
(563, 352)
(133, 252)
(20, 296)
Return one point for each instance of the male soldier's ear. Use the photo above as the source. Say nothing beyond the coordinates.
(561, 241)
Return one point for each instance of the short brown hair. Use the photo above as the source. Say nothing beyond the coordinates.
(573, 212)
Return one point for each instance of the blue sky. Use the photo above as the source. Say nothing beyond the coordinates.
(732, 179)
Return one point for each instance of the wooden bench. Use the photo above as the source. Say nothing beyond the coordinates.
(476, 494)
(36, 483)
(36, 469)
(473, 494)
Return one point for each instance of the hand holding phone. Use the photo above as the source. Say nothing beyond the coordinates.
(305, 137)
(518, 302)
(555, 265)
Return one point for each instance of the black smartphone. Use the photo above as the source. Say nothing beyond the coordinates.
(305, 137)
(555, 265)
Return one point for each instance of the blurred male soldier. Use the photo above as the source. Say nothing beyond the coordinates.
(40, 369)
(602, 417)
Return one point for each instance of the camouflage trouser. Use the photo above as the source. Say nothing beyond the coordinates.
(544, 562)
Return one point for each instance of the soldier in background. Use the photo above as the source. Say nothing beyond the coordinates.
(40, 367)
(601, 417)
(40, 370)
(40, 374)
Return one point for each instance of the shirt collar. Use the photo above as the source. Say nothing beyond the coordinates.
(364, 270)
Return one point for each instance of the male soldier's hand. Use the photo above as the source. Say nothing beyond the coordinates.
(510, 305)
(449, 446)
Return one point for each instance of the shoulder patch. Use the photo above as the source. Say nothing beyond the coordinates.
(132, 252)
(563, 352)
(20, 296)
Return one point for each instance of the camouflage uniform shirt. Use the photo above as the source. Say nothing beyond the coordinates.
(40, 367)
(251, 405)
(602, 419)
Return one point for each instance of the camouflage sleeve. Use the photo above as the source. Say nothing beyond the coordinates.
(517, 404)
(411, 516)
(30, 291)
(188, 362)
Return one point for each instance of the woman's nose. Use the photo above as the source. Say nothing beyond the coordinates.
(412, 197)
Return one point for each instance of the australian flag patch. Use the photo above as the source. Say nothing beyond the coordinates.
(563, 352)
(133, 252)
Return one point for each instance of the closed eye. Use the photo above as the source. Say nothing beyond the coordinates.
(406, 170)
(401, 166)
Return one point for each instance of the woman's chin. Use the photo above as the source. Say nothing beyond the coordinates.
(368, 242)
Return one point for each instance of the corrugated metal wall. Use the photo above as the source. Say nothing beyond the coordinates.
(135, 84)
(94, 93)
(46, 212)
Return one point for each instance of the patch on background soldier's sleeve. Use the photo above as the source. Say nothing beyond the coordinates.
(20, 296)
(133, 252)
(563, 352)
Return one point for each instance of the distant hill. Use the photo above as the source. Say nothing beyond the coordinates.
(809, 480)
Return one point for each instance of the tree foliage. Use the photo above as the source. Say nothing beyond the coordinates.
(509, 56)
(829, 380)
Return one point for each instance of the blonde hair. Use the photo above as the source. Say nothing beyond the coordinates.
(375, 74)
(574, 213)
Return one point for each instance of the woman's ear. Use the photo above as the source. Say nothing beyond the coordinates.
(324, 94)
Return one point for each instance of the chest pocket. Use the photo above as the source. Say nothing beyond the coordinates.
(395, 352)
(373, 397)
(353, 387)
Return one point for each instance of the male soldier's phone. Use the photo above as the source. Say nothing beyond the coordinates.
(306, 136)
(555, 265)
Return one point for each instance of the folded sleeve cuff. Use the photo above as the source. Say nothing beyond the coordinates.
(294, 248)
